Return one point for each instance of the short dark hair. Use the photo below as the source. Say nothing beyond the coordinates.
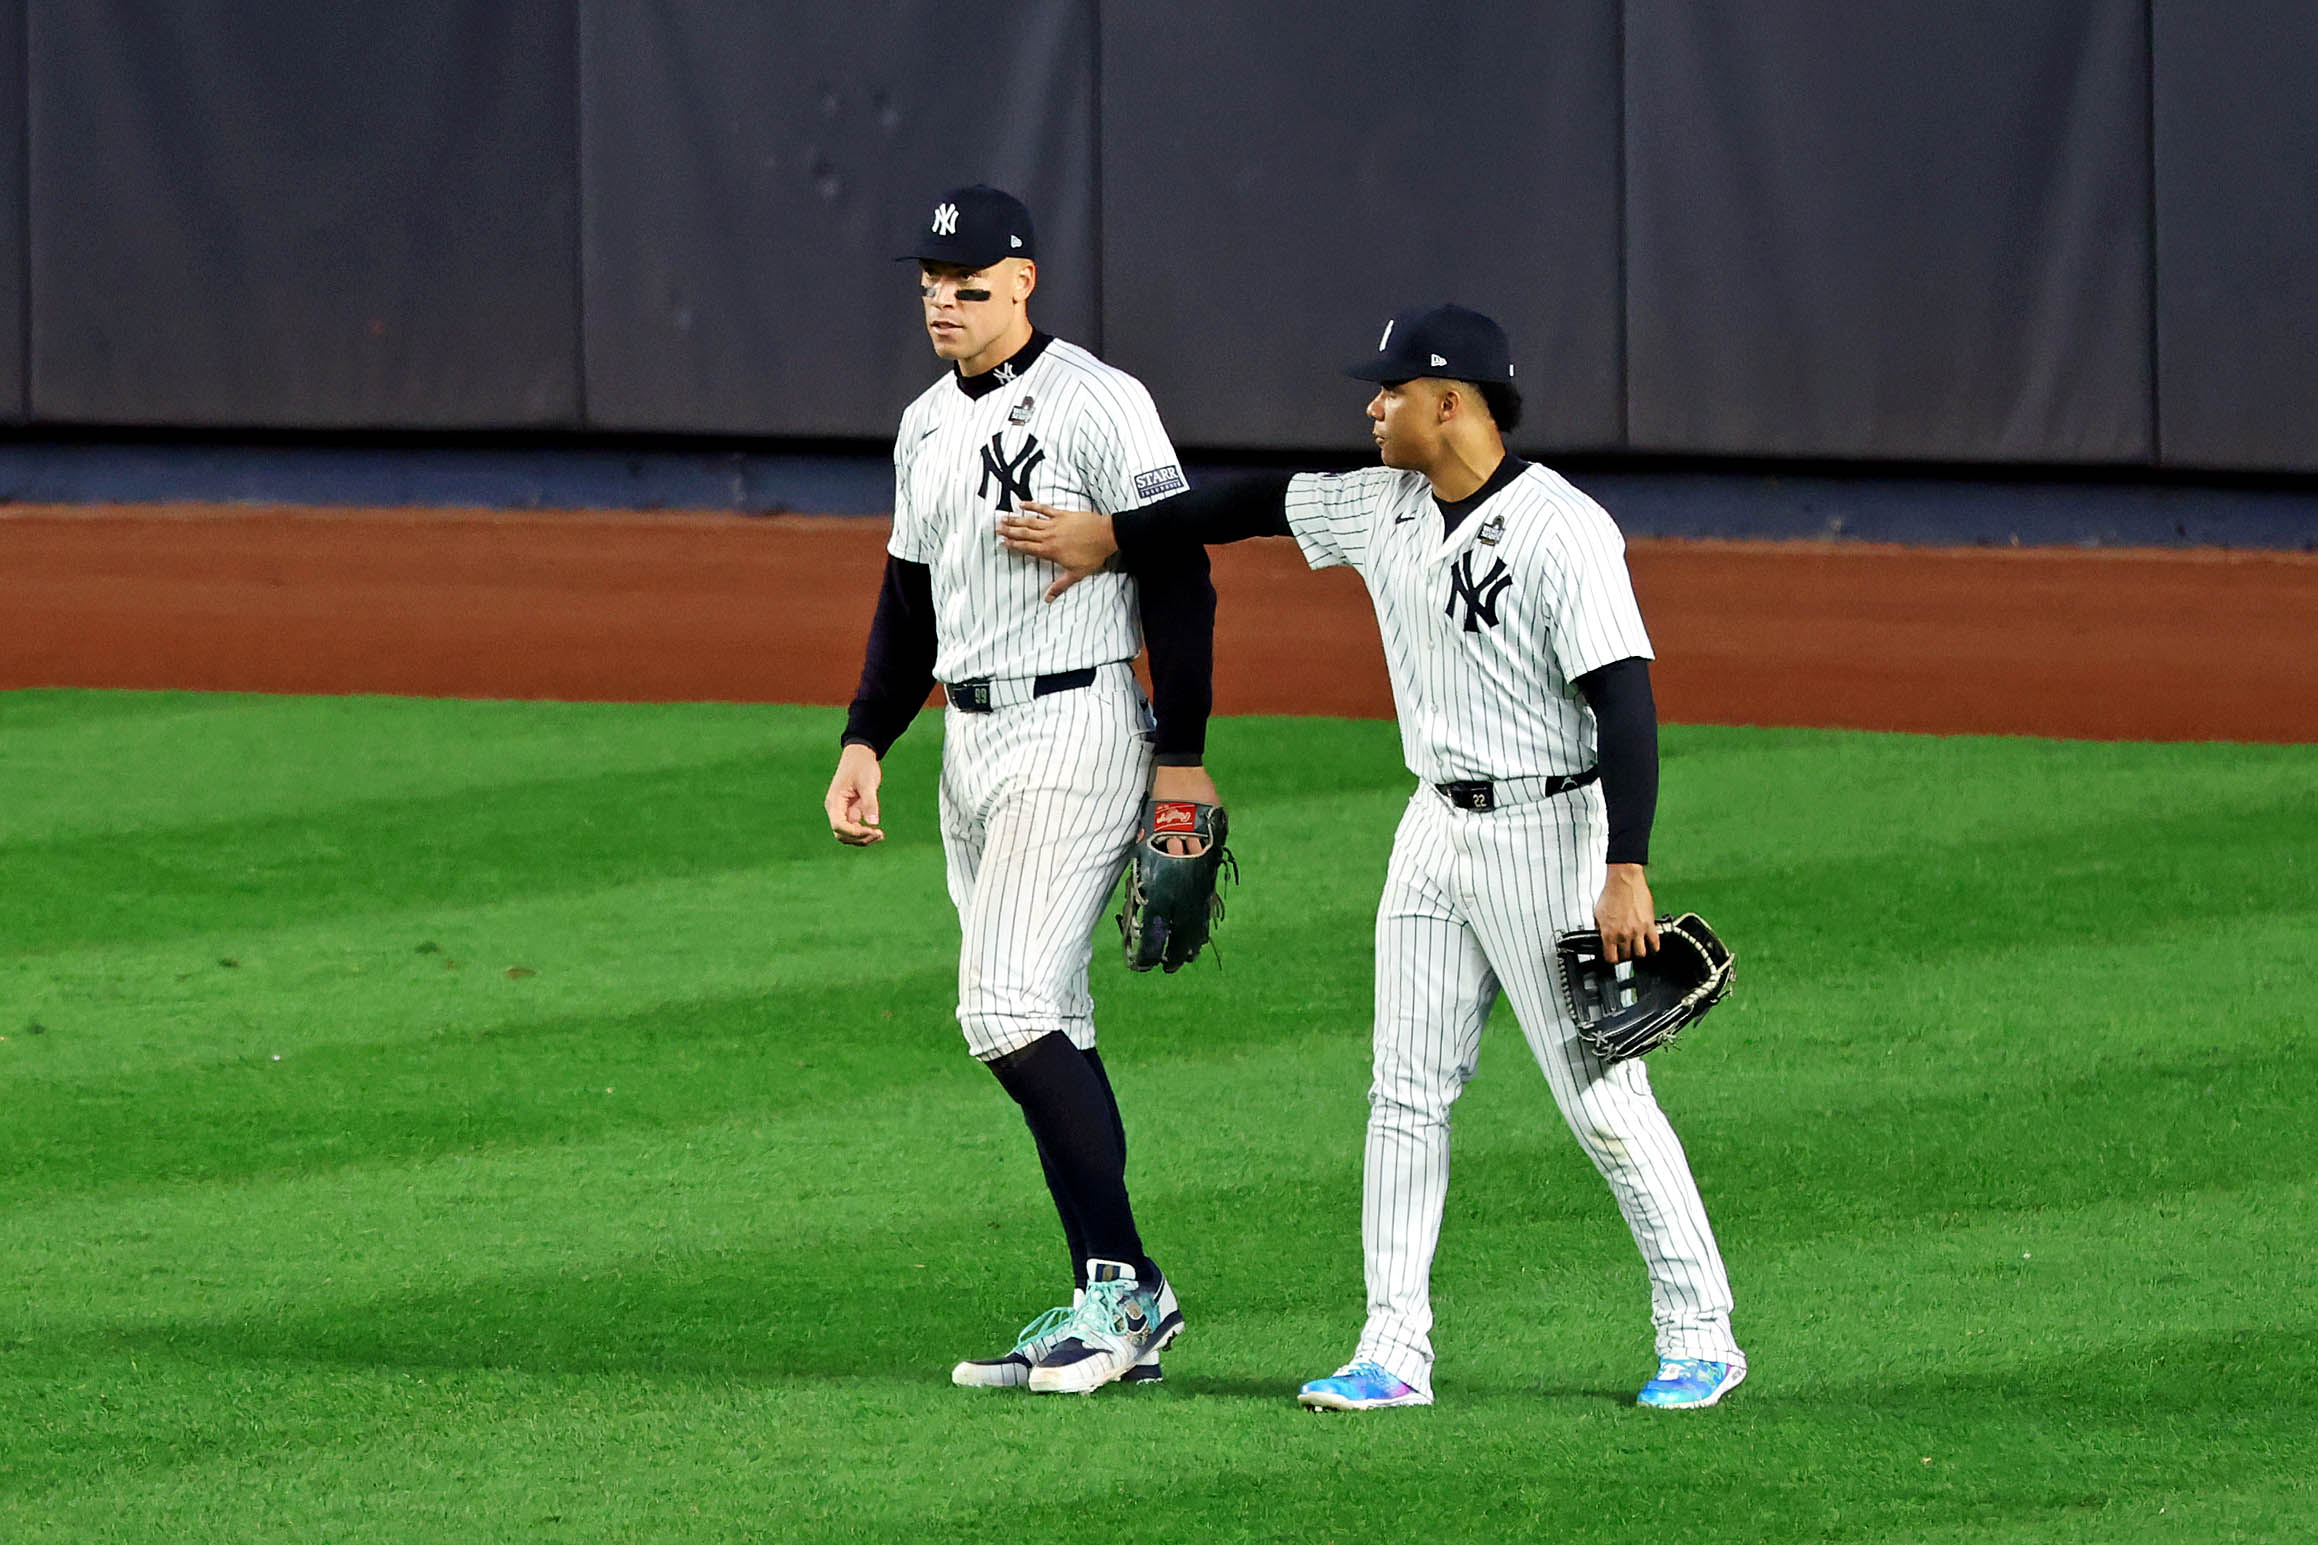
(1503, 399)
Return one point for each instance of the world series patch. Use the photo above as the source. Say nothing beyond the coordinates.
(1159, 481)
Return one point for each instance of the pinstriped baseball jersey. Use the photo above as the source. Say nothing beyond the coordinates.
(1484, 632)
(1067, 430)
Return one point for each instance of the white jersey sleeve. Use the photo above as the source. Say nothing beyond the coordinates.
(912, 541)
(1596, 620)
(1333, 515)
(1121, 450)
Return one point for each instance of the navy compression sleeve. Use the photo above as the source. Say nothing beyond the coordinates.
(1177, 600)
(1626, 735)
(897, 670)
(1229, 512)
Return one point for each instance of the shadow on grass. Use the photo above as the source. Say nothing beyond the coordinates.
(493, 1090)
(2119, 1131)
(475, 847)
(2110, 883)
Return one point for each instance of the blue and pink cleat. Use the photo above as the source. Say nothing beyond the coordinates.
(1690, 1384)
(1360, 1386)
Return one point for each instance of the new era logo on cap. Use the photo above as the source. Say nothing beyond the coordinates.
(1438, 360)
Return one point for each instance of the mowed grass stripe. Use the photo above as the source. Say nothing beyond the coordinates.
(80, 765)
(426, 1288)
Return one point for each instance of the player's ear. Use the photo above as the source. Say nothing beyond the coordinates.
(1025, 278)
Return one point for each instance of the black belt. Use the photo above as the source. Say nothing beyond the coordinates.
(1482, 794)
(974, 696)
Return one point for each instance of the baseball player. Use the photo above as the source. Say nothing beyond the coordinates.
(1520, 676)
(1048, 746)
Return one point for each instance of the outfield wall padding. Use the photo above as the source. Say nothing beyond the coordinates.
(1256, 245)
(13, 259)
(2237, 227)
(2076, 233)
(304, 213)
(1913, 230)
(753, 169)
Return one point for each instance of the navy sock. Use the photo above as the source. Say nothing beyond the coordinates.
(1073, 1115)
(1074, 1238)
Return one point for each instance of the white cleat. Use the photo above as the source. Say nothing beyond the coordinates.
(1117, 1329)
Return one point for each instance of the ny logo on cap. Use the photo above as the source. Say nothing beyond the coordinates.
(945, 220)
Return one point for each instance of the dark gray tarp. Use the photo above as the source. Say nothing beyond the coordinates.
(304, 213)
(753, 169)
(2237, 233)
(13, 261)
(1279, 179)
(2076, 231)
(1911, 229)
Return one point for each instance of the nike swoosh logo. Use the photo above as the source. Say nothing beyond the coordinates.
(931, 432)
(1402, 520)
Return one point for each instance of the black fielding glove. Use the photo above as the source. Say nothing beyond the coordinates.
(1171, 903)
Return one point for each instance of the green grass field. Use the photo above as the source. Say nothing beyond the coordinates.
(435, 1121)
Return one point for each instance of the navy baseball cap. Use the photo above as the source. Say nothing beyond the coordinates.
(1446, 341)
(973, 228)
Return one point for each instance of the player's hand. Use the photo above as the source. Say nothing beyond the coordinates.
(1079, 542)
(1625, 916)
(1184, 783)
(852, 801)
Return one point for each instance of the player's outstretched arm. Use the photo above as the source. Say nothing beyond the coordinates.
(852, 801)
(1082, 543)
(1079, 542)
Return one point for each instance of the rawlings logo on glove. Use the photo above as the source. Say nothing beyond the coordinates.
(1634, 1008)
(1171, 903)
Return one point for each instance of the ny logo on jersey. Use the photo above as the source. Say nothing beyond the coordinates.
(1013, 472)
(1480, 596)
(945, 219)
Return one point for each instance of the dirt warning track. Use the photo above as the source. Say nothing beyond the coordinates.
(2101, 644)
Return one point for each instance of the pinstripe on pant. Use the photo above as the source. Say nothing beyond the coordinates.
(1472, 902)
(1040, 803)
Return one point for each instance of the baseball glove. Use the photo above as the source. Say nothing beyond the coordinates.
(1630, 1009)
(1171, 898)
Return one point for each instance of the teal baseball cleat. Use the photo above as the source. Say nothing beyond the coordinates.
(1118, 1329)
(1689, 1384)
(1360, 1386)
(1012, 1371)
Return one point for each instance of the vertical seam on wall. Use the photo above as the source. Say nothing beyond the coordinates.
(1625, 431)
(2149, 126)
(1095, 15)
(579, 212)
(23, 45)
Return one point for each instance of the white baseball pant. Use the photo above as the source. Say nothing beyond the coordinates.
(1472, 903)
(1040, 804)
